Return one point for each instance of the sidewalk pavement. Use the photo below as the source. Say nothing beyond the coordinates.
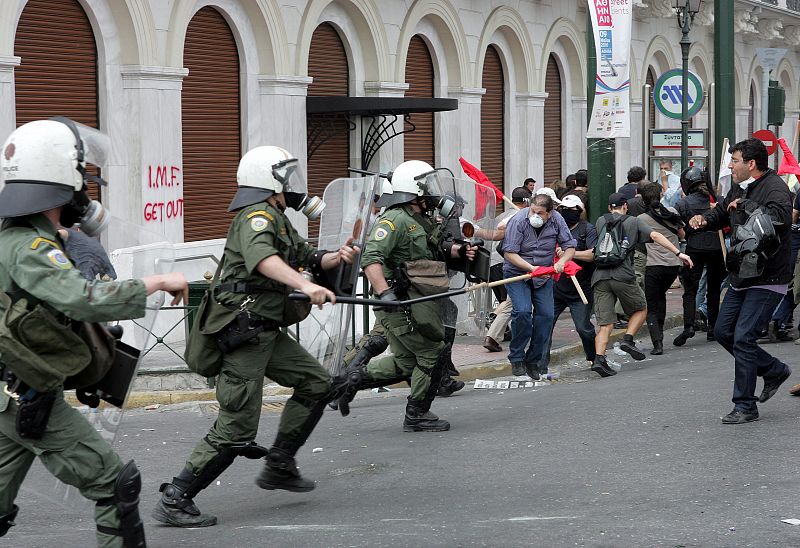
(164, 378)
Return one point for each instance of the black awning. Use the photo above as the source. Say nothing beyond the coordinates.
(375, 106)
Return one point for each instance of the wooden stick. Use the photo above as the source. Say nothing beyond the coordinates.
(580, 289)
(722, 243)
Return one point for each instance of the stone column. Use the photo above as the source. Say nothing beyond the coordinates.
(742, 117)
(7, 96)
(574, 140)
(527, 149)
(458, 133)
(149, 154)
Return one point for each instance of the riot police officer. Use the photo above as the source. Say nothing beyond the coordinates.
(44, 171)
(262, 261)
(404, 233)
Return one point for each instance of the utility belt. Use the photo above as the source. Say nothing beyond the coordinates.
(244, 328)
(34, 408)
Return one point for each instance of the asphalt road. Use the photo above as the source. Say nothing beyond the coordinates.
(640, 459)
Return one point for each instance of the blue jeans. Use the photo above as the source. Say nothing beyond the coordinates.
(582, 318)
(531, 322)
(741, 316)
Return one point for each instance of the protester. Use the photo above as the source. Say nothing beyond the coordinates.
(782, 320)
(705, 250)
(565, 294)
(636, 175)
(530, 241)
(662, 266)
(581, 188)
(759, 272)
(530, 184)
(670, 184)
(617, 281)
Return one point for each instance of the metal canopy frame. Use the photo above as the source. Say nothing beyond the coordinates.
(327, 115)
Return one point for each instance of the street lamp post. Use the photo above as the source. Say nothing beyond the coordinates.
(686, 10)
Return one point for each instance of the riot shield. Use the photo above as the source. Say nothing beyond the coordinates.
(348, 215)
(149, 254)
(471, 218)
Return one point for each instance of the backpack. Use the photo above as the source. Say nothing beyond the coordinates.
(612, 245)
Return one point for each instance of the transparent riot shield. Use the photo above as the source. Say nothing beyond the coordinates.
(347, 216)
(471, 219)
(147, 254)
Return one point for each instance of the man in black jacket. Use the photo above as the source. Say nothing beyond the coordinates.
(754, 292)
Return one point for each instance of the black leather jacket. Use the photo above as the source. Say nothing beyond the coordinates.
(697, 203)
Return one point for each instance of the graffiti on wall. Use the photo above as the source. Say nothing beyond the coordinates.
(163, 180)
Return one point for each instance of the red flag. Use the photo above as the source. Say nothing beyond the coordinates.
(481, 179)
(570, 269)
(789, 162)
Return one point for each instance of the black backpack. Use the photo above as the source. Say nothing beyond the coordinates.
(612, 245)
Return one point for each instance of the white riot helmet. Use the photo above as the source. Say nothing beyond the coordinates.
(268, 170)
(43, 166)
(412, 179)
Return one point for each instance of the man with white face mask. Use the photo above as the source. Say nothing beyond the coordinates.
(531, 238)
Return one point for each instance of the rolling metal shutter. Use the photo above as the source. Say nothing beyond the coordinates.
(328, 66)
(58, 71)
(751, 113)
(651, 81)
(419, 144)
(493, 119)
(552, 122)
(211, 116)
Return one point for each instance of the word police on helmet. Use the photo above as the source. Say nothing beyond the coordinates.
(43, 166)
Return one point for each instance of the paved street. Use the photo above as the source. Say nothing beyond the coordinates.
(640, 459)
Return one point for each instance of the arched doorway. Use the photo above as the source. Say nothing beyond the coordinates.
(420, 143)
(211, 114)
(552, 122)
(493, 118)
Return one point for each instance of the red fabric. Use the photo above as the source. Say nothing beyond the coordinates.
(789, 162)
(570, 269)
(482, 180)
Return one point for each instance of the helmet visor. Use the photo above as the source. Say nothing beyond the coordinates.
(96, 145)
(430, 184)
(290, 175)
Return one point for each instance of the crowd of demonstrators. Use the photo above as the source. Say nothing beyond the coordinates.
(670, 184)
(612, 280)
(758, 210)
(662, 265)
(705, 249)
(531, 238)
(636, 175)
(565, 294)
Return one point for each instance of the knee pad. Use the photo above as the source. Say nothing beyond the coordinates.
(7, 520)
(126, 499)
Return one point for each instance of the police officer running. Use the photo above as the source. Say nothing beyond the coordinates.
(403, 235)
(44, 170)
(261, 263)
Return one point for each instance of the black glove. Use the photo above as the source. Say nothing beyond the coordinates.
(387, 295)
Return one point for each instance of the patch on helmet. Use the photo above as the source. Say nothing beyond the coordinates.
(59, 260)
(258, 224)
(380, 234)
(9, 151)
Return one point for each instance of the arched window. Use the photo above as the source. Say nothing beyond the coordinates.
(552, 122)
(420, 143)
(211, 114)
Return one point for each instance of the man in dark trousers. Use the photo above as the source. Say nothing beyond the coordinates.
(758, 263)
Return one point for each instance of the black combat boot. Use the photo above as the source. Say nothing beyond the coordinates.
(176, 509)
(449, 386)
(418, 419)
(280, 472)
(685, 335)
(657, 337)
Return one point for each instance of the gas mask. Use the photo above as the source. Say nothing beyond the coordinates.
(310, 206)
(571, 216)
(446, 206)
(536, 221)
(89, 214)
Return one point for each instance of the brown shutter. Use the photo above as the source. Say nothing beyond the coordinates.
(751, 113)
(552, 122)
(651, 81)
(419, 144)
(328, 66)
(493, 119)
(58, 71)
(210, 109)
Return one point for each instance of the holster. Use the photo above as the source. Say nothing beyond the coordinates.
(243, 329)
(33, 415)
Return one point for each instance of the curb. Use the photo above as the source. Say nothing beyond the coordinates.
(485, 370)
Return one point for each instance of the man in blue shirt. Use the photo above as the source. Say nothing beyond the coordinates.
(532, 236)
